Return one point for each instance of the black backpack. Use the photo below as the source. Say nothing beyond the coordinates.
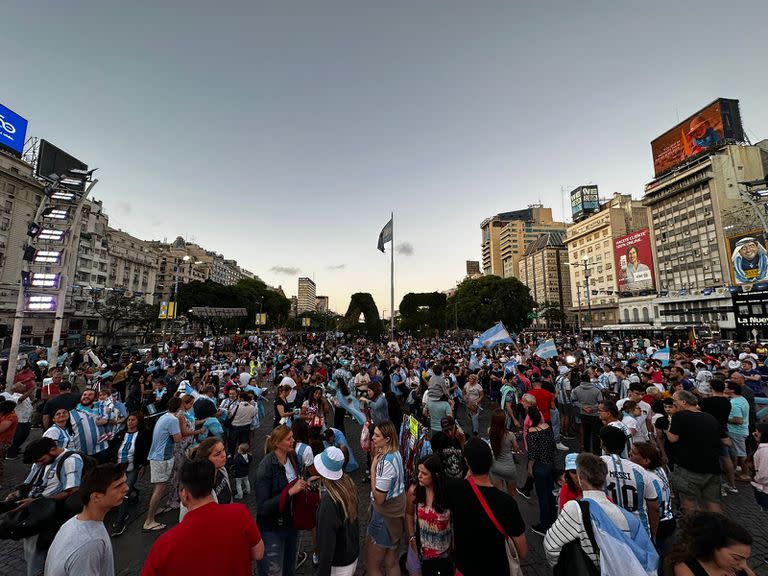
(573, 561)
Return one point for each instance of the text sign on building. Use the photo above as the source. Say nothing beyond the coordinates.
(584, 200)
(634, 262)
(751, 309)
(13, 130)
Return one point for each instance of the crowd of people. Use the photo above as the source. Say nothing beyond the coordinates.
(628, 455)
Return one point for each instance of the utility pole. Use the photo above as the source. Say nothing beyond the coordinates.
(589, 300)
(578, 296)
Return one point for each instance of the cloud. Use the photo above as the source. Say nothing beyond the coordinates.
(287, 270)
(336, 267)
(404, 249)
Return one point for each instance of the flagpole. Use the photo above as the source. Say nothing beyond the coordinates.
(392, 284)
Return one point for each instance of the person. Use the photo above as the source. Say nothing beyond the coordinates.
(644, 430)
(167, 431)
(609, 416)
(710, 544)
(242, 465)
(89, 425)
(130, 446)
(447, 444)
(61, 430)
(283, 414)
(719, 405)
(9, 421)
(386, 525)
(738, 428)
(240, 431)
(428, 520)
(586, 397)
(338, 530)
(479, 546)
(314, 409)
(234, 543)
(278, 479)
(696, 436)
(622, 526)
(212, 449)
(760, 461)
(570, 488)
(629, 484)
(750, 261)
(82, 546)
(504, 447)
(376, 403)
(473, 397)
(545, 401)
(541, 457)
(336, 437)
(636, 275)
(648, 456)
(67, 400)
(186, 416)
(23, 411)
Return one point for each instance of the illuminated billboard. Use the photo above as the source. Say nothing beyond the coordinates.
(748, 258)
(713, 125)
(13, 130)
(584, 201)
(634, 262)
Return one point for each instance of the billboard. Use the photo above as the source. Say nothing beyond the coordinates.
(634, 262)
(53, 160)
(13, 130)
(751, 309)
(584, 200)
(748, 258)
(711, 126)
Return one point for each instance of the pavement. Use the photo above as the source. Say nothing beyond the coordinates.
(132, 547)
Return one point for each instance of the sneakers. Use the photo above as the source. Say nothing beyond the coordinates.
(561, 446)
(539, 529)
(526, 495)
(301, 559)
(315, 559)
(730, 489)
(566, 436)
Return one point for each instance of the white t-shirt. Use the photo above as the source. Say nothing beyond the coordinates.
(642, 434)
(702, 381)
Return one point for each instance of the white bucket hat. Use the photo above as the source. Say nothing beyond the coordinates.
(330, 463)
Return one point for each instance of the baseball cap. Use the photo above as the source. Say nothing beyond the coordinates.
(570, 461)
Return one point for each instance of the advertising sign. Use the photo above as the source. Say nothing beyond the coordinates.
(634, 261)
(710, 126)
(13, 130)
(53, 160)
(747, 258)
(751, 309)
(584, 200)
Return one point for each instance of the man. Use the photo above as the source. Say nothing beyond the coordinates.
(478, 545)
(738, 428)
(750, 261)
(447, 444)
(171, 381)
(89, 427)
(696, 436)
(167, 431)
(719, 406)
(24, 415)
(67, 400)
(82, 546)
(609, 416)
(233, 540)
(55, 474)
(629, 485)
(644, 424)
(586, 396)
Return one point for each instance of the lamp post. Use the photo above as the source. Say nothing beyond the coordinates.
(585, 260)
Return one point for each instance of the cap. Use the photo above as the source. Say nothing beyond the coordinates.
(447, 423)
(563, 370)
(570, 461)
(330, 463)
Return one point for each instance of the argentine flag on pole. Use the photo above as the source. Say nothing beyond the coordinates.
(546, 349)
(663, 355)
(510, 367)
(495, 335)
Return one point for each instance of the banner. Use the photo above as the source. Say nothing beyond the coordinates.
(546, 350)
(748, 258)
(634, 261)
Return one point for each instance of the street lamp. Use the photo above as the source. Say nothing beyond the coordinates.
(585, 263)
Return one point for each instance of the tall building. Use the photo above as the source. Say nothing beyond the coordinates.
(592, 241)
(306, 296)
(506, 235)
(544, 269)
(696, 211)
(321, 304)
(133, 265)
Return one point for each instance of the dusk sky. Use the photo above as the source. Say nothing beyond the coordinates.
(282, 134)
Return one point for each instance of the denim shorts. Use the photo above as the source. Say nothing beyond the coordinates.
(377, 530)
(738, 447)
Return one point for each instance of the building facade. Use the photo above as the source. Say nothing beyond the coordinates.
(544, 269)
(307, 295)
(180, 261)
(321, 304)
(133, 265)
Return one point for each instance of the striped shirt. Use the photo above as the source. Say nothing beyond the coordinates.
(50, 484)
(89, 437)
(390, 476)
(60, 435)
(663, 493)
(126, 450)
(629, 485)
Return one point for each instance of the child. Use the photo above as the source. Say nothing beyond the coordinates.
(242, 467)
(760, 481)
(570, 488)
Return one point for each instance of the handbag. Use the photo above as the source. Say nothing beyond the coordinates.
(573, 561)
(228, 420)
(28, 521)
(304, 505)
(512, 557)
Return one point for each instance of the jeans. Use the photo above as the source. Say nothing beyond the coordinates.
(544, 481)
(280, 550)
(131, 498)
(554, 416)
(590, 430)
(20, 436)
(243, 486)
(237, 435)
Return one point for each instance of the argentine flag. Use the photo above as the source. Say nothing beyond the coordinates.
(510, 367)
(663, 355)
(491, 337)
(546, 349)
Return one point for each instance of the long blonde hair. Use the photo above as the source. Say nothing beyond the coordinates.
(344, 492)
(277, 436)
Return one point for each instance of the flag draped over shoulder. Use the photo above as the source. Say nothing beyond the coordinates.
(385, 235)
(546, 349)
(497, 334)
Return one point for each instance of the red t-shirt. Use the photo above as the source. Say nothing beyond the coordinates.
(543, 401)
(7, 436)
(566, 495)
(228, 532)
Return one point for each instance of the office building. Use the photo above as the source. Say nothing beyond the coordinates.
(473, 268)
(306, 295)
(544, 269)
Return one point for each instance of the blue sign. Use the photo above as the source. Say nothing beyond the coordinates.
(13, 130)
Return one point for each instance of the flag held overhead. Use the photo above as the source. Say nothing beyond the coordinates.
(497, 334)
(385, 235)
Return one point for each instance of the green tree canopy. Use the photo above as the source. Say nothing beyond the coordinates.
(422, 311)
(481, 302)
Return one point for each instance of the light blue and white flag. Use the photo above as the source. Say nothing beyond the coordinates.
(351, 405)
(491, 337)
(510, 367)
(546, 349)
(663, 355)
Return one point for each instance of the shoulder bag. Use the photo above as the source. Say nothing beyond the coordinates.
(512, 558)
(573, 561)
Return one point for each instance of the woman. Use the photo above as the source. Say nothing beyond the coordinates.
(710, 544)
(541, 458)
(385, 529)
(130, 446)
(504, 446)
(570, 489)
(428, 520)
(313, 410)
(283, 415)
(8, 424)
(338, 529)
(213, 449)
(61, 431)
(649, 457)
(186, 417)
(278, 479)
(378, 411)
(473, 396)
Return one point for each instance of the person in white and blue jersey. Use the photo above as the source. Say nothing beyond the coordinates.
(89, 426)
(648, 456)
(61, 431)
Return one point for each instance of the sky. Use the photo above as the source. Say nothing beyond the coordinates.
(282, 134)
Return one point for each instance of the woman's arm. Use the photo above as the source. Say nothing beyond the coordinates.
(410, 513)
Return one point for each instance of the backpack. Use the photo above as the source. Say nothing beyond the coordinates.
(89, 463)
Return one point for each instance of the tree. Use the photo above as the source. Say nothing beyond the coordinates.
(422, 311)
(120, 312)
(362, 303)
(553, 314)
(481, 302)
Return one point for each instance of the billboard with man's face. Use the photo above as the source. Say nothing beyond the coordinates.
(634, 262)
(748, 258)
(710, 126)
